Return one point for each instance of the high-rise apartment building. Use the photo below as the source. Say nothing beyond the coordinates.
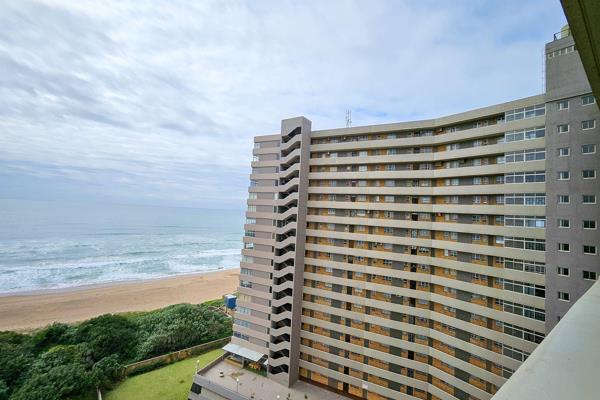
(422, 259)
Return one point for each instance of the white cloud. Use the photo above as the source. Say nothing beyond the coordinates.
(161, 99)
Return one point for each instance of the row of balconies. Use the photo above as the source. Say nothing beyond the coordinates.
(433, 347)
(471, 309)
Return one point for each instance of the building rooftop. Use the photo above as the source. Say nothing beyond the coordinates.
(262, 388)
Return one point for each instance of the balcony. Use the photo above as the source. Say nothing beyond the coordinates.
(566, 365)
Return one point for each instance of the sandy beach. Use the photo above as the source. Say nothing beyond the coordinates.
(34, 310)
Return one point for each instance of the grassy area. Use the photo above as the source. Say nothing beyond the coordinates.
(172, 382)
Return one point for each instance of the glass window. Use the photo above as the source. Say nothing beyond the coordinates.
(563, 199)
(589, 199)
(589, 99)
(589, 124)
(563, 175)
(589, 224)
(563, 152)
(591, 275)
(588, 173)
(589, 249)
(563, 105)
(588, 149)
(564, 247)
(562, 128)
(564, 296)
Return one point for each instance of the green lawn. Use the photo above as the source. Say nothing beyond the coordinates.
(172, 382)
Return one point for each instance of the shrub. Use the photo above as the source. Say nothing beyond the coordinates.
(59, 373)
(106, 371)
(180, 326)
(44, 339)
(107, 335)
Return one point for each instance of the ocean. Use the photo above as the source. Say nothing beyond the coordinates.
(53, 245)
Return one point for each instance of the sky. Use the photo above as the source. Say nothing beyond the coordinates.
(157, 102)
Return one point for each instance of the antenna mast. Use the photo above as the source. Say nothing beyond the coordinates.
(348, 118)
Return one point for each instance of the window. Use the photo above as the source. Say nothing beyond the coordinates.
(525, 221)
(589, 249)
(525, 177)
(526, 311)
(450, 253)
(527, 199)
(562, 128)
(589, 224)
(562, 271)
(525, 243)
(563, 152)
(362, 168)
(513, 353)
(590, 275)
(589, 174)
(563, 175)
(587, 100)
(246, 284)
(564, 296)
(523, 333)
(525, 134)
(563, 199)
(588, 149)
(563, 223)
(561, 52)
(525, 288)
(564, 247)
(563, 105)
(526, 112)
(589, 199)
(525, 155)
(589, 124)
(523, 265)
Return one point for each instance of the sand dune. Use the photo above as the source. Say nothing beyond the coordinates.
(34, 310)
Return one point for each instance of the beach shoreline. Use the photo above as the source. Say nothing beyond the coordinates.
(36, 309)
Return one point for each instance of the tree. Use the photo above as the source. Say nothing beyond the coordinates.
(106, 371)
(107, 335)
(4, 391)
(57, 333)
(59, 373)
(15, 358)
(179, 326)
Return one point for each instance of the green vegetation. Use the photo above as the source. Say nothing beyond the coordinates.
(69, 361)
(172, 382)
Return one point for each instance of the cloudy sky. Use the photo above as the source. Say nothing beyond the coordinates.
(156, 102)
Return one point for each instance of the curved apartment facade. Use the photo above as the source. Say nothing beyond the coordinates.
(411, 260)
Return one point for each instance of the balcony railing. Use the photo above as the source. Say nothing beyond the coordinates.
(564, 32)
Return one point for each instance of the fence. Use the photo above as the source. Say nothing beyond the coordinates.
(166, 359)
(211, 364)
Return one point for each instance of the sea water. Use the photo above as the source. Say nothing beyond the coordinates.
(52, 245)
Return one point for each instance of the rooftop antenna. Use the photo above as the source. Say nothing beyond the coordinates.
(348, 118)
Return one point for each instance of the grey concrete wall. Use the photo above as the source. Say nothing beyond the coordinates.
(305, 126)
(566, 80)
